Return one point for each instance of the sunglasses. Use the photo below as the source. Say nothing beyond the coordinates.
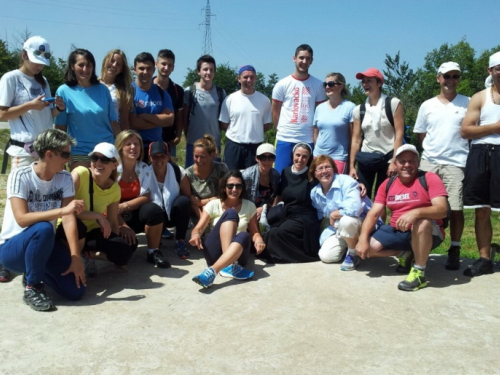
(40, 53)
(266, 158)
(64, 154)
(448, 76)
(103, 159)
(331, 84)
(232, 186)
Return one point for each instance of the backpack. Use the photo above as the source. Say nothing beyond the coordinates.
(390, 117)
(192, 101)
(423, 183)
(177, 171)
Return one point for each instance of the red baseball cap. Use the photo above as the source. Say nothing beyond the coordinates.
(371, 72)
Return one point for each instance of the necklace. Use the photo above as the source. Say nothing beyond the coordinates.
(492, 96)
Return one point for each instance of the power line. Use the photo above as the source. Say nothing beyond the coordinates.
(207, 41)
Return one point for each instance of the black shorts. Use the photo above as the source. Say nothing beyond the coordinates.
(482, 177)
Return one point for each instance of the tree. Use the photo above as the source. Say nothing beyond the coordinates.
(8, 60)
(225, 77)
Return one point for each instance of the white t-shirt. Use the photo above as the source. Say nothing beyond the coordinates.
(379, 140)
(17, 88)
(41, 196)
(246, 116)
(442, 122)
(164, 193)
(246, 212)
(299, 99)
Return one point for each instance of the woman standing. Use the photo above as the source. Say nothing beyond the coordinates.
(205, 174)
(138, 213)
(227, 247)
(171, 191)
(116, 75)
(89, 117)
(25, 101)
(333, 122)
(381, 137)
(293, 238)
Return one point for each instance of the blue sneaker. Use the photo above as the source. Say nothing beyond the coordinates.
(167, 234)
(350, 262)
(206, 278)
(235, 271)
(181, 250)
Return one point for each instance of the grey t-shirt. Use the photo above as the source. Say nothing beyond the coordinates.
(208, 187)
(204, 117)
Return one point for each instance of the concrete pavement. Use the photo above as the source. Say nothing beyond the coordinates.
(295, 319)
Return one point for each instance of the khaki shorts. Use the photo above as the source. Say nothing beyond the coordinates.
(453, 179)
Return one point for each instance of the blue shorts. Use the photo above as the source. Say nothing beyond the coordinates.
(393, 239)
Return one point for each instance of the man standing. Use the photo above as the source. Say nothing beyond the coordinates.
(245, 115)
(294, 99)
(152, 105)
(202, 105)
(482, 170)
(417, 203)
(445, 151)
(165, 64)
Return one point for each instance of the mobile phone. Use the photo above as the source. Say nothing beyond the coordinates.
(50, 100)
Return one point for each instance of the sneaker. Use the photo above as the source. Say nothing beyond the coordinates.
(481, 266)
(235, 271)
(90, 267)
(206, 278)
(4, 274)
(350, 262)
(453, 262)
(167, 234)
(181, 250)
(414, 281)
(405, 260)
(36, 298)
(156, 258)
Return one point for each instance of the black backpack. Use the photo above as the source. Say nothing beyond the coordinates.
(423, 182)
(192, 101)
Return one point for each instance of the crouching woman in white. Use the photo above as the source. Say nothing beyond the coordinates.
(338, 202)
(36, 196)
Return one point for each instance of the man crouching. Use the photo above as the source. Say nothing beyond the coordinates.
(417, 201)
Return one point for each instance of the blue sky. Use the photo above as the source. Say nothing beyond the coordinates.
(347, 36)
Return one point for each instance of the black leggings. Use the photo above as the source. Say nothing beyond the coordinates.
(179, 216)
(148, 214)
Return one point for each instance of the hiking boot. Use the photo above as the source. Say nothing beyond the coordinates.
(156, 258)
(206, 278)
(35, 297)
(481, 266)
(235, 271)
(350, 262)
(167, 234)
(405, 260)
(453, 262)
(4, 274)
(181, 250)
(414, 281)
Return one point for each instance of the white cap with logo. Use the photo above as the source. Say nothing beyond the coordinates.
(38, 50)
(107, 149)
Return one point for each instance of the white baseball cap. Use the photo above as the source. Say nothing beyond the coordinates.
(266, 148)
(448, 67)
(38, 50)
(494, 60)
(107, 149)
(407, 147)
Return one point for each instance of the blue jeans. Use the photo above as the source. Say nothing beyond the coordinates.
(36, 253)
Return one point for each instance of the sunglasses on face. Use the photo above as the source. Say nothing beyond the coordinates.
(40, 53)
(331, 84)
(103, 159)
(64, 154)
(266, 157)
(232, 186)
(448, 76)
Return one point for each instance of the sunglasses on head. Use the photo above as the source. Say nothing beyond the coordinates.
(448, 76)
(266, 157)
(103, 159)
(40, 53)
(232, 186)
(331, 84)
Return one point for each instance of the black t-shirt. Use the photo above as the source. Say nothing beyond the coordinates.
(176, 93)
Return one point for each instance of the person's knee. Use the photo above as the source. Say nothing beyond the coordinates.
(230, 215)
(349, 226)
(422, 227)
(332, 250)
(72, 292)
(483, 213)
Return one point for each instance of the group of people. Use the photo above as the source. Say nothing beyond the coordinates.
(307, 199)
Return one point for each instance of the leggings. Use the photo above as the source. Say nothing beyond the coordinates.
(179, 216)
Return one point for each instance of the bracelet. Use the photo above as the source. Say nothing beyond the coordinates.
(260, 242)
(59, 109)
(198, 233)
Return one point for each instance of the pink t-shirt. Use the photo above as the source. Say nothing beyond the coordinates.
(403, 198)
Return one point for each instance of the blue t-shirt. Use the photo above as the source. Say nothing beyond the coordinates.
(151, 102)
(333, 126)
(89, 111)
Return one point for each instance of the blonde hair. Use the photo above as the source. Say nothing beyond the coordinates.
(123, 81)
(207, 143)
(123, 136)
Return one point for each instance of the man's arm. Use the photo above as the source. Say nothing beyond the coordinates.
(421, 137)
(276, 111)
(363, 245)
(469, 129)
(437, 211)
